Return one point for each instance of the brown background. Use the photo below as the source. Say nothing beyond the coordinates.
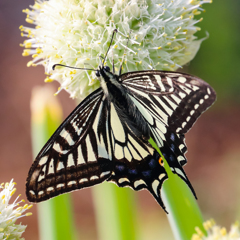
(213, 143)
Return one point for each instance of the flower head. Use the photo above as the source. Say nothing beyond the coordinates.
(77, 32)
(215, 232)
(9, 213)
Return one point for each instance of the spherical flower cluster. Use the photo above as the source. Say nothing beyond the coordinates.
(215, 232)
(77, 32)
(9, 213)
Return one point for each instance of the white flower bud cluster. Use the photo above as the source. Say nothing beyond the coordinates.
(77, 32)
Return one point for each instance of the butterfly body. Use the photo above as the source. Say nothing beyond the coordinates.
(106, 136)
(127, 111)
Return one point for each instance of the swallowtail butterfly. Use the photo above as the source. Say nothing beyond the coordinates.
(106, 136)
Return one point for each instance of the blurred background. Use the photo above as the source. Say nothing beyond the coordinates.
(213, 143)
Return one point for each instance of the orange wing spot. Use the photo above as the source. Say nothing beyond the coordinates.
(160, 160)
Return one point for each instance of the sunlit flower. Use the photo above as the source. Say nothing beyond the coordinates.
(10, 212)
(77, 32)
(215, 232)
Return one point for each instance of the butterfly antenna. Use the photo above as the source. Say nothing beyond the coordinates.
(124, 53)
(113, 63)
(61, 65)
(114, 31)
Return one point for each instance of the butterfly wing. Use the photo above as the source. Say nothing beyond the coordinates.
(170, 102)
(134, 162)
(92, 145)
(75, 156)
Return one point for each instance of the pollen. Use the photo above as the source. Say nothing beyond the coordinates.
(39, 50)
(26, 52)
(48, 79)
(30, 63)
(28, 45)
(223, 231)
(199, 232)
(25, 206)
(25, 10)
(13, 191)
(36, 6)
(28, 20)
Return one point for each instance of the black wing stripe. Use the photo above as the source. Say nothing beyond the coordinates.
(70, 160)
(185, 98)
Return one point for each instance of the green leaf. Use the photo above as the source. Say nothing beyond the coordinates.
(184, 213)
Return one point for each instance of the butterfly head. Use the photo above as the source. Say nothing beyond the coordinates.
(104, 73)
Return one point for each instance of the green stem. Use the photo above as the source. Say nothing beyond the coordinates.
(184, 213)
(115, 212)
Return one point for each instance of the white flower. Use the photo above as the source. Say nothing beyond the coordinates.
(215, 232)
(9, 213)
(77, 32)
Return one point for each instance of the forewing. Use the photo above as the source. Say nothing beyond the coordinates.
(78, 154)
(180, 98)
(170, 102)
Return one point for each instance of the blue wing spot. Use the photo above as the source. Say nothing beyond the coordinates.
(132, 171)
(172, 158)
(147, 174)
(120, 168)
(172, 147)
(172, 137)
(152, 163)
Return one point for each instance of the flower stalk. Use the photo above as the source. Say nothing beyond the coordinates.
(184, 214)
(55, 215)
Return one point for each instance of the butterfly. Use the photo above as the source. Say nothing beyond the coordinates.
(106, 136)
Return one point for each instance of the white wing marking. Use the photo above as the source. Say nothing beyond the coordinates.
(70, 161)
(116, 125)
(143, 110)
(51, 167)
(43, 160)
(91, 156)
(65, 134)
(118, 151)
(121, 180)
(155, 185)
(139, 182)
(182, 79)
(159, 81)
(57, 148)
(80, 156)
(127, 154)
(60, 165)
